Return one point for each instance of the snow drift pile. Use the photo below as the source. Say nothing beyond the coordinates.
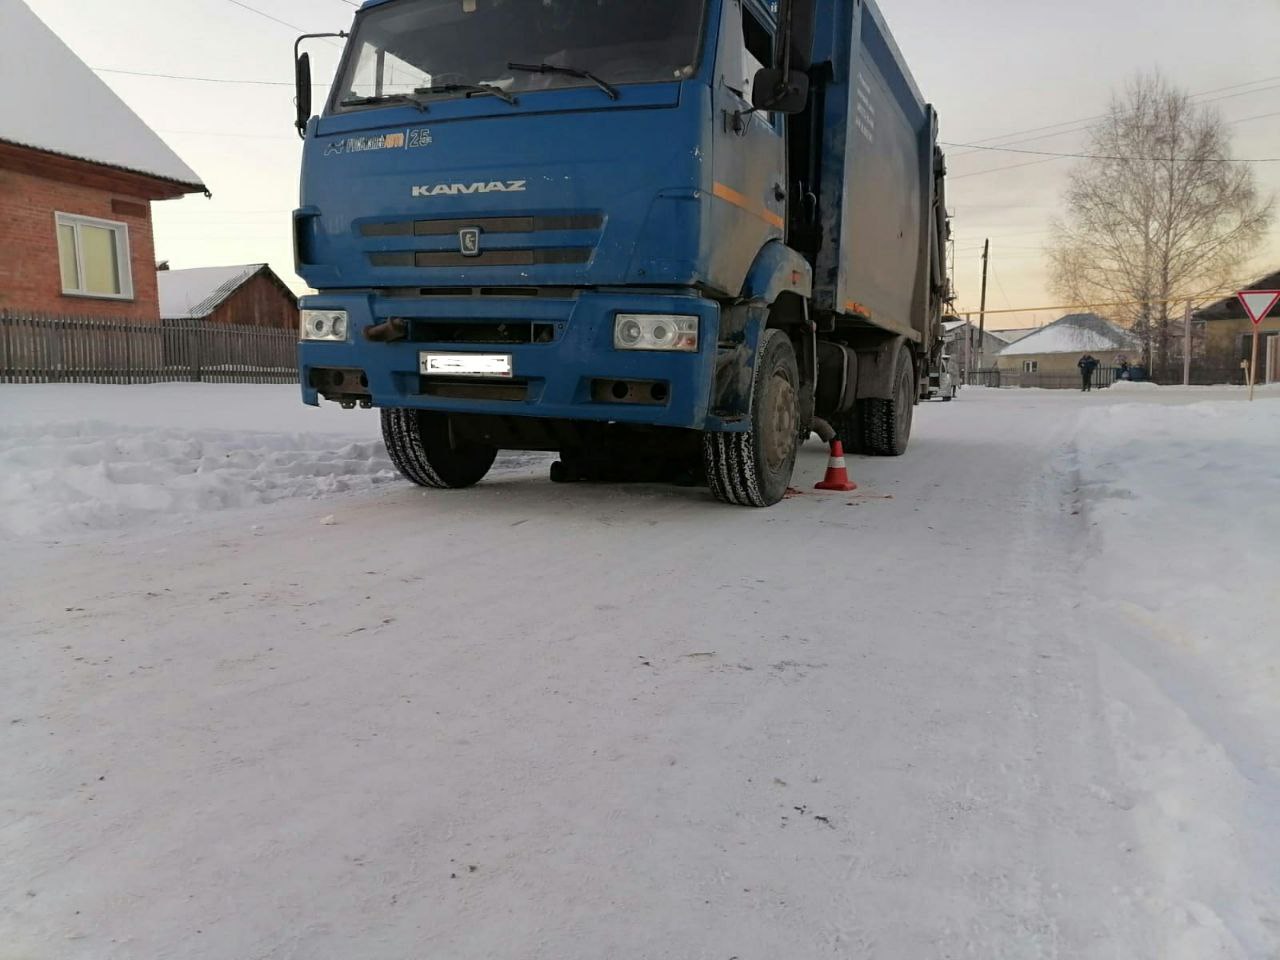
(79, 457)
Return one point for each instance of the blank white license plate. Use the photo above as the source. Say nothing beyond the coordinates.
(465, 365)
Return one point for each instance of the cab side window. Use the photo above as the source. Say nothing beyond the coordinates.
(757, 37)
(757, 41)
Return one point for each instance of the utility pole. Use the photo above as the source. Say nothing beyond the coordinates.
(982, 311)
(968, 349)
(1186, 347)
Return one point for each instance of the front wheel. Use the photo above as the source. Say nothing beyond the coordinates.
(425, 450)
(754, 469)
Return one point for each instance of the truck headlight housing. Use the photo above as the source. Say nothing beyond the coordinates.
(325, 325)
(655, 331)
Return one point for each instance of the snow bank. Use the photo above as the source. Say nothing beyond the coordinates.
(1185, 505)
(1136, 386)
(81, 457)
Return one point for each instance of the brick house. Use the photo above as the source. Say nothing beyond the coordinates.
(79, 171)
(251, 295)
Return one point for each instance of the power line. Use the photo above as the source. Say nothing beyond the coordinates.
(1010, 166)
(1155, 301)
(179, 76)
(1000, 286)
(283, 23)
(1090, 121)
(1096, 156)
(273, 19)
(175, 76)
(977, 145)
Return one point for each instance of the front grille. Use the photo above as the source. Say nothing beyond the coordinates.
(507, 241)
(486, 258)
(444, 228)
(410, 293)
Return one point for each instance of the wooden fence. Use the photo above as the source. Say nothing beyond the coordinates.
(37, 348)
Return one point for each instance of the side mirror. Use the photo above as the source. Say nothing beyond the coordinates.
(773, 92)
(302, 77)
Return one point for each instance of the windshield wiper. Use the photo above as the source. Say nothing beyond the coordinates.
(604, 85)
(470, 89)
(384, 98)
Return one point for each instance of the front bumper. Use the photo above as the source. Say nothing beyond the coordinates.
(560, 377)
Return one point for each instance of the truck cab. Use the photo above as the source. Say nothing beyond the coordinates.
(582, 226)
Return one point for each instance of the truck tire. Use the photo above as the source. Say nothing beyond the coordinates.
(425, 451)
(886, 424)
(754, 469)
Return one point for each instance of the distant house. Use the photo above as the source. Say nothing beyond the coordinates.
(1228, 336)
(250, 295)
(1052, 352)
(967, 346)
(78, 173)
(1007, 337)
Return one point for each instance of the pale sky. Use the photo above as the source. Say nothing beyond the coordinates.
(992, 68)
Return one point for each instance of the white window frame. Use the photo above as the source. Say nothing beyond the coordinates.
(123, 258)
(1030, 366)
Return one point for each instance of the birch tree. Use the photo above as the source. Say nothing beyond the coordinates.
(1159, 214)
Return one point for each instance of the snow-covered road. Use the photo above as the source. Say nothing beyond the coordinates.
(1017, 697)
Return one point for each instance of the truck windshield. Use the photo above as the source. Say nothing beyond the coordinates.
(412, 47)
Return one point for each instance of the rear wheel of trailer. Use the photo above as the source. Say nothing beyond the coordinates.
(886, 424)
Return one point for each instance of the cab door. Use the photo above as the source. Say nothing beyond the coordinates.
(748, 206)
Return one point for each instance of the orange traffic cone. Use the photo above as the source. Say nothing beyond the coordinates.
(837, 477)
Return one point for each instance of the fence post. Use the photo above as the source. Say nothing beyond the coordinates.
(196, 373)
(7, 370)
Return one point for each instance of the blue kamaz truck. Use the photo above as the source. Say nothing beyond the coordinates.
(660, 238)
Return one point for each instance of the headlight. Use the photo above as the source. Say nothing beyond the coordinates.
(654, 331)
(324, 325)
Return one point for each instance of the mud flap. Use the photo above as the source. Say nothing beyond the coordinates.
(877, 365)
(741, 327)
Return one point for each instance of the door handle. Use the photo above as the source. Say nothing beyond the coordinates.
(779, 194)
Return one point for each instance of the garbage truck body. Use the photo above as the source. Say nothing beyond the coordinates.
(662, 238)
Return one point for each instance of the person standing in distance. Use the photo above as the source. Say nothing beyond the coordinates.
(1088, 363)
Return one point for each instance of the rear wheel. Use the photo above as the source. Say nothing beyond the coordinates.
(754, 469)
(886, 424)
(425, 450)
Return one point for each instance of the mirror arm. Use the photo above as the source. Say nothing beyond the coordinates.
(297, 44)
(784, 35)
(297, 54)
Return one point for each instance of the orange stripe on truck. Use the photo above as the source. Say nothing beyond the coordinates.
(730, 195)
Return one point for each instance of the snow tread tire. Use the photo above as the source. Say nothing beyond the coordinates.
(886, 424)
(731, 461)
(404, 433)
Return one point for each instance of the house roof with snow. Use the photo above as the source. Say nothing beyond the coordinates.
(1230, 308)
(54, 103)
(1013, 336)
(1074, 333)
(195, 294)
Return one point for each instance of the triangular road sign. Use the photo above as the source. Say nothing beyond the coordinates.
(1258, 303)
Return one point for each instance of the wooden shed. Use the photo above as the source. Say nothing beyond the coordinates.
(251, 295)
